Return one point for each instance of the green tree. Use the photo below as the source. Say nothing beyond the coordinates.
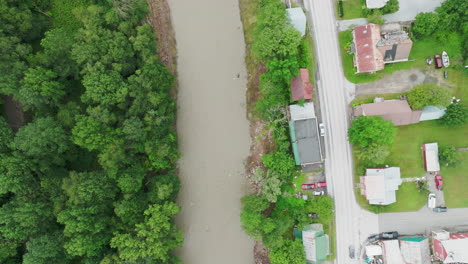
(281, 163)
(16, 175)
(425, 24)
(45, 249)
(455, 115)
(254, 223)
(367, 130)
(428, 94)
(106, 88)
(391, 6)
(38, 88)
(6, 135)
(91, 134)
(291, 252)
(376, 18)
(448, 156)
(277, 42)
(154, 238)
(282, 70)
(373, 154)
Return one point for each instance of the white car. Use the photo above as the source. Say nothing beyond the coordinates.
(322, 129)
(317, 193)
(431, 201)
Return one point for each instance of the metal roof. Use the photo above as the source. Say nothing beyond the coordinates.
(299, 112)
(431, 157)
(415, 250)
(316, 243)
(431, 112)
(379, 185)
(375, 3)
(297, 19)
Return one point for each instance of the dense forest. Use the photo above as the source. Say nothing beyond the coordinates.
(88, 175)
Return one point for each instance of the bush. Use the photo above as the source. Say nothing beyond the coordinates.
(428, 94)
(455, 115)
(448, 156)
(340, 8)
(368, 130)
(376, 18)
(392, 6)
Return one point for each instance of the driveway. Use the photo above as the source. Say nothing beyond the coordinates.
(353, 225)
(422, 221)
(213, 131)
(401, 81)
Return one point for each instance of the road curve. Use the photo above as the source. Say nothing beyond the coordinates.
(213, 131)
(353, 224)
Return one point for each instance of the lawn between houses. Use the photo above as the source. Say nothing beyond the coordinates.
(417, 59)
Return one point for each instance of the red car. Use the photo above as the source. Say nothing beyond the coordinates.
(320, 184)
(439, 182)
(308, 186)
(438, 61)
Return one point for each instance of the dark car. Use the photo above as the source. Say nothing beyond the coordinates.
(439, 182)
(440, 209)
(312, 215)
(352, 253)
(308, 186)
(389, 235)
(438, 61)
(373, 238)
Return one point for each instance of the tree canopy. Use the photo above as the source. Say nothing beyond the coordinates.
(367, 130)
(455, 115)
(428, 94)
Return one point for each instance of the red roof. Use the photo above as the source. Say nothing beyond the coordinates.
(439, 250)
(301, 88)
(368, 57)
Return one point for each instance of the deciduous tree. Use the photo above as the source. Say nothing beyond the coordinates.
(291, 252)
(428, 94)
(455, 115)
(367, 130)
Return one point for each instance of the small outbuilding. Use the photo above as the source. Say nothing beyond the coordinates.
(301, 88)
(316, 243)
(297, 19)
(431, 157)
(415, 250)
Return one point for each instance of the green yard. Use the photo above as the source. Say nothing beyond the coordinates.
(351, 9)
(456, 181)
(420, 51)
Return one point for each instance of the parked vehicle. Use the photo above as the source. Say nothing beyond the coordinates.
(308, 186)
(312, 215)
(439, 182)
(431, 201)
(320, 184)
(389, 235)
(445, 59)
(351, 252)
(373, 238)
(429, 60)
(317, 193)
(322, 129)
(438, 61)
(440, 209)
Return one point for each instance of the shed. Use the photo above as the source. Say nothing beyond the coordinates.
(297, 19)
(431, 157)
(431, 112)
(316, 243)
(299, 112)
(301, 88)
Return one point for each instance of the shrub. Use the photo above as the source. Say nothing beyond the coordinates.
(455, 115)
(428, 94)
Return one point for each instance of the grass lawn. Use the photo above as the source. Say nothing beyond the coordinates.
(351, 9)
(420, 51)
(330, 230)
(456, 181)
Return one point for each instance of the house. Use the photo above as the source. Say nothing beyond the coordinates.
(376, 45)
(371, 4)
(431, 157)
(316, 243)
(415, 250)
(304, 134)
(297, 19)
(380, 184)
(391, 252)
(397, 111)
(301, 88)
(449, 247)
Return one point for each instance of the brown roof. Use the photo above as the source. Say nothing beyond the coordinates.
(301, 88)
(396, 111)
(368, 57)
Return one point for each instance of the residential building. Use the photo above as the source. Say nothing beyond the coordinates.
(380, 184)
(415, 250)
(431, 157)
(316, 243)
(297, 19)
(304, 134)
(450, 247)
(301, 88)
(391, 252)
(375, 45)
(371, 4)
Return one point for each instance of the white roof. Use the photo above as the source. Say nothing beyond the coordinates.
(432, 157)
(456, 250)
(380, 185)
(415, 252)
(373, 250)
(376, 3)
(392, 252)
(297, 19)
(299, 112)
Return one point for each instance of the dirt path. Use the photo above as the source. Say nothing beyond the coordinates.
(213, 131)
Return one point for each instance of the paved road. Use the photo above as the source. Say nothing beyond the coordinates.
(423, 220)
(353, 225)
(213, 131)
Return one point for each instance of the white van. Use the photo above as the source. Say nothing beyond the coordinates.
(431, 201)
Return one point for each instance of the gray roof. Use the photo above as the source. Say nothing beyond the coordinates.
(299, 112)
(297, 19)
(431, 113)
(415, 252)
(379, 185)
(308, 141)
(376, 3)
